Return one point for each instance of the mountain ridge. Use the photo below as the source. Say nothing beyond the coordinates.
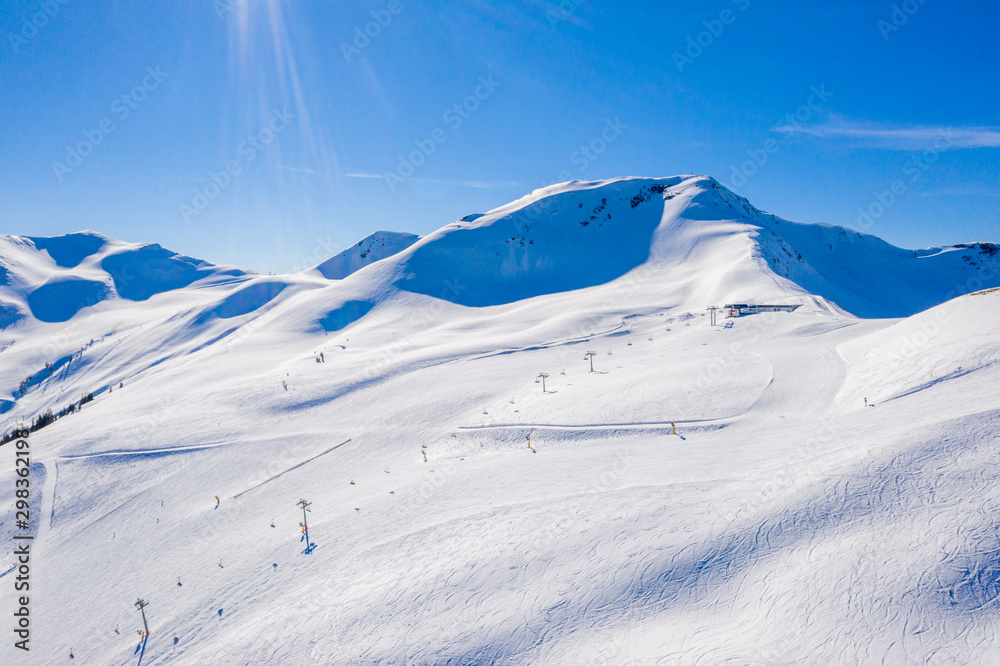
(560, 238)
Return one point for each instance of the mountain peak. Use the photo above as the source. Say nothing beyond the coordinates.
(702, 242)
(379, 245)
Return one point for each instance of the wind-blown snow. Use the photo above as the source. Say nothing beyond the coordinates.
(783, 522)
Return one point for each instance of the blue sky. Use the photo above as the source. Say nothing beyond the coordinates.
(261, 132)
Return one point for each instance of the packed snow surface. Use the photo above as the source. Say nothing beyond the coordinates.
(804, 488)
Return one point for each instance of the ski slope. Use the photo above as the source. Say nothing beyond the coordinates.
(708, 495)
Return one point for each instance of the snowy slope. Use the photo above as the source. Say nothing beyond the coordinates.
(375, 247)
(53, 279)
(72, 301)
(581, 234)
(782, 522)
(952, 343)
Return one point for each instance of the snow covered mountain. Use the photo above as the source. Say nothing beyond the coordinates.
(691, 231)
(52, 279)
(708, 243)
(379, 245)
(805, 487)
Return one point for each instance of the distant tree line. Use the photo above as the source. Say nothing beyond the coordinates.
(47, 417)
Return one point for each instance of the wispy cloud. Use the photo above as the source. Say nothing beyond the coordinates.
(900, 138)
(288, 168)
(456, 183)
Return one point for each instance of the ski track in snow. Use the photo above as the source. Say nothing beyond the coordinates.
(144, 453)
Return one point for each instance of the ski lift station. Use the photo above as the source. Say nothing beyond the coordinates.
(740, 309)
